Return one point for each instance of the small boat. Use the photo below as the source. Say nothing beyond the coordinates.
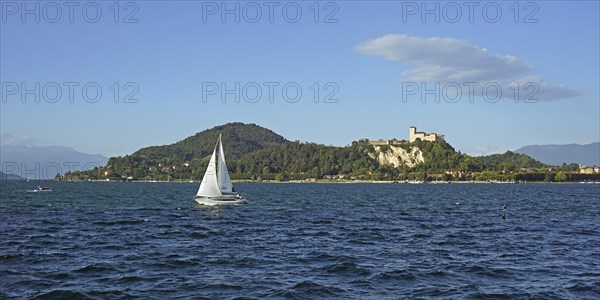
(40, 188)
(216, 187)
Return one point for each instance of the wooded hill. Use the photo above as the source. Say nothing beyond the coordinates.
(256, 153)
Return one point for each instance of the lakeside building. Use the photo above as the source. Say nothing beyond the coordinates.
(589, 170)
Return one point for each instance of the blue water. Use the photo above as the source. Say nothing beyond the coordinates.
(301, 241)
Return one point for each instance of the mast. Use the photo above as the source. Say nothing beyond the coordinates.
(217, 161)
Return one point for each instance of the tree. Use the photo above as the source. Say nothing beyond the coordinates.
(446, 177)
(570, 167)
(560, 176)
(280, 177)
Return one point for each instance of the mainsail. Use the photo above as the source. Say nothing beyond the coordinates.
(210, 186)
(222, 173)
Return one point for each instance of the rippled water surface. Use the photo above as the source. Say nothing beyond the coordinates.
(378, 241)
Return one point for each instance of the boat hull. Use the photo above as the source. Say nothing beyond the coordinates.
(224, 200)
(39, 191)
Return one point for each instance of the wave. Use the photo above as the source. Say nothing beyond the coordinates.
(96, 268)
(223, 286)
(394, 275)
(309, 289)
(580, 286)
(129, 279)
(345, 268)
(119, 222)
(62, 294)
(490, 272)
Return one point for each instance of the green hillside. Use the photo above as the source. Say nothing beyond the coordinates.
(238, 139)
(184, 159)
(254, 152)
(308, 159)
(509, 161)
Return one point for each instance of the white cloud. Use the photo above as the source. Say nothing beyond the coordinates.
(442, 59)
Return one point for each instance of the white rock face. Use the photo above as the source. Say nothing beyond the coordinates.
(397, 156)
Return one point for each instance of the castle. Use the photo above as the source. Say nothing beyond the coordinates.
(432, 137)
(413, 136)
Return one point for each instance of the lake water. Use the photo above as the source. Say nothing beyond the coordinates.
(305, 241)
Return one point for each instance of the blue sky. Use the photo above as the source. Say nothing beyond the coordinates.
(368, 59)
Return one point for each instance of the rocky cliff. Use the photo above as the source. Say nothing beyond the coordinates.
(397, 156)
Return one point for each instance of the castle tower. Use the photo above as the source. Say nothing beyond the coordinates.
(412, 130)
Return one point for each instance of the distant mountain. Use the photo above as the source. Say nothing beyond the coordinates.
(517, 160)
(557, 154)
(4, 177)
(44, 162)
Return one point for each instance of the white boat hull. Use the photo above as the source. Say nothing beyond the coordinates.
(223, 200)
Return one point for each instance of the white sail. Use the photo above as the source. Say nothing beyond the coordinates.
(223, 173)
(210, 185)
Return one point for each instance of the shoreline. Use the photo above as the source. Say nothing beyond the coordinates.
(329, 181)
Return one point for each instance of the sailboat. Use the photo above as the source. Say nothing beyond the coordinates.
(40, 188)
(216, 187)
